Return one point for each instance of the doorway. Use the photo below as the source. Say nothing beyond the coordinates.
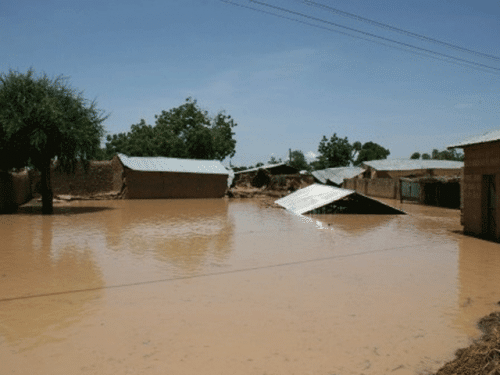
(489, 206)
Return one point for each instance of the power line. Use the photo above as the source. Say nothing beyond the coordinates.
(374, 35)
(398, 30)
(211, 274)
(428, 53)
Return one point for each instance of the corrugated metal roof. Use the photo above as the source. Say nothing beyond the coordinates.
(491, 136)
(337, 175)
(317, 195)
(163, 164)
(312, 197)
(412, 164)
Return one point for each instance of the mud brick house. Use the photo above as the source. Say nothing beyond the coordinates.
(160, 177)
(481, 185)
(397, 168)
(407, 179)
(279, 169)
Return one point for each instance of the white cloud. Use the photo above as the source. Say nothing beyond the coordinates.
(311, 155)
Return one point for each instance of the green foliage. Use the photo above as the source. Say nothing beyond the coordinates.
(273, 160)
(336, 152)
(447, 155)
(42, 119)
(298, 160)
(182, 132)
(440, 155)
(371, 151)
(45, 118)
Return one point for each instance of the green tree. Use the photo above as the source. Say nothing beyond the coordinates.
(440, 155)
(371, 151)
(182, 132)
(44, 119)
(335, 152)
(273, 160)
(298, 160)
(447, 155)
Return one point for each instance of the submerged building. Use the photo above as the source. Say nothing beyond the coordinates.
(161, 177)
(324, 199)
(481, 185)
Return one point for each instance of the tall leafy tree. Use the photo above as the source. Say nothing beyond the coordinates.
(334, 152)
(182, 132)
(371, 151)
(440, 155)
(298, 160)
(43, 119)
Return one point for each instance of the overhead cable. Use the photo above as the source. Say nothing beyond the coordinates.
(421, 51)
(398, 30)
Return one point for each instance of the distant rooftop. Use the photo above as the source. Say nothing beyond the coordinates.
(266, 166)
(337, 175)
(412, 164)
(163, 164)
(491, 136)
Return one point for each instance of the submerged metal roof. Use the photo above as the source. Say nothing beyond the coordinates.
(491, 136)
(312, 197)
(163, 164)
(317, 195)
(337, 175)
(412, 164)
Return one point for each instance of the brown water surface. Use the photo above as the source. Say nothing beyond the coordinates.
(229, 287)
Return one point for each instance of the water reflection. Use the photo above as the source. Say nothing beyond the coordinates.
(353, 225)
(184, 233)
(30, 266)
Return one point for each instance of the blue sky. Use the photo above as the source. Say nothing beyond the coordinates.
(285, 83)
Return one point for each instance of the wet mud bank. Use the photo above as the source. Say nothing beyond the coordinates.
(482, 356)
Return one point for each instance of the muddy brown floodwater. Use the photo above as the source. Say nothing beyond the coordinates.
(230, 287)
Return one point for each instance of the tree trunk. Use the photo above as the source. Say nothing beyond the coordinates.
(47, 204)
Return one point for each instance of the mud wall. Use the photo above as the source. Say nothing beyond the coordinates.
(480, 161)
(98, 178)
(7, 203)
(379, 187)
(155, 185)
(420, 173)
(15, 189)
